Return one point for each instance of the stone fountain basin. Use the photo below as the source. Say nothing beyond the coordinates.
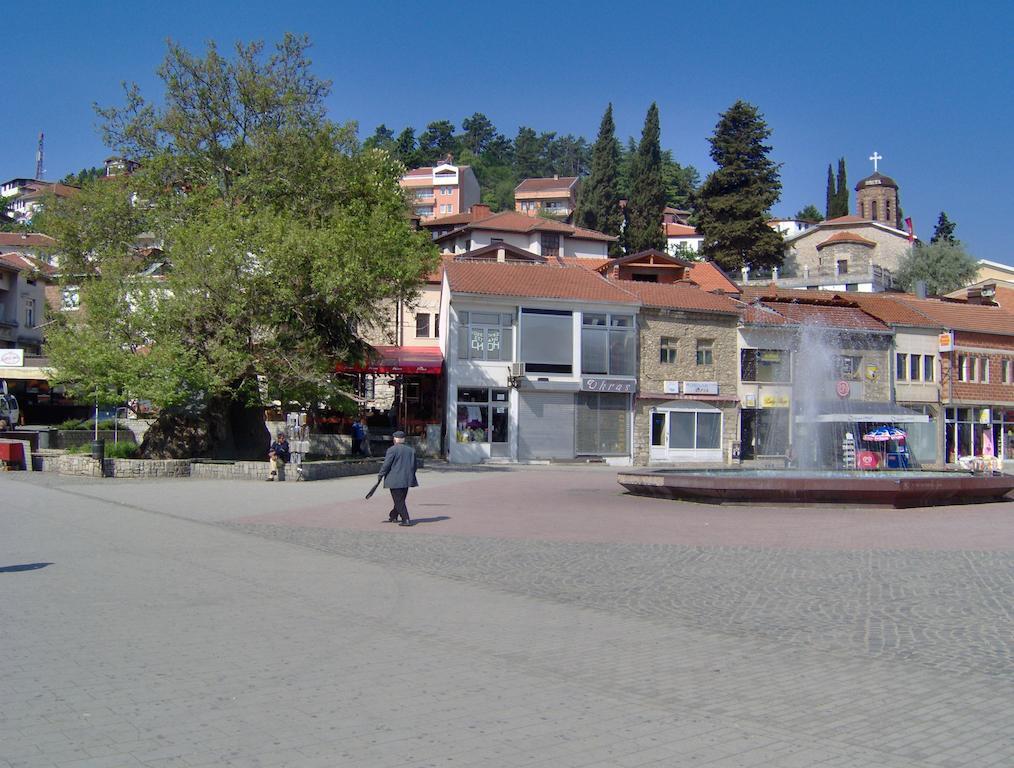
(910, 488)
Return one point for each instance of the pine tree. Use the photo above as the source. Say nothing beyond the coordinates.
(830, 207)
(944, 231)
(647, 190)
(842, 191)
(733, 203)
(598, 205)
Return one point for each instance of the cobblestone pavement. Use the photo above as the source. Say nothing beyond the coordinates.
(532, 618)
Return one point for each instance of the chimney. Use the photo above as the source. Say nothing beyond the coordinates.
(480, 211)
(556, 177)
(501, 255)
(921, 291)
(982, 294)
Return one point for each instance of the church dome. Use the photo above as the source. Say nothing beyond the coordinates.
(877, 180)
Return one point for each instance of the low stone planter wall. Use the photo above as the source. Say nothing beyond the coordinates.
(86, 466)
(260, 470)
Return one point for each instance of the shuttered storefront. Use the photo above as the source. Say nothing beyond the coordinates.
(546, 425)
(603, 424)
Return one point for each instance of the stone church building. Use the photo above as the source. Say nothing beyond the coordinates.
(851, 253)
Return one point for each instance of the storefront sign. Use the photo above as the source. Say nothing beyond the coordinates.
(843, 389)
(671, 387)
(595, 384)
(946, 341)
(700, 387)
(775, 401)
(12, 358)
(872, 372)
(750, 400)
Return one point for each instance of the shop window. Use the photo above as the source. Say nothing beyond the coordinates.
(482, 415)
(766, 366)
(901, 366)
(485, 336)
(547, 340)
(705, 351)
(602, 423)
(695, 430)
(667, 350)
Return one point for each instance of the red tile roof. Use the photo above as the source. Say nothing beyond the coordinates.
(25, 240)
(711, 278)
(679, 296)
(976, 318)
(512, 221)
(846, 237)
(543, 281)
(563, 184)
(833, 314)
(680, 230)
(21, 262)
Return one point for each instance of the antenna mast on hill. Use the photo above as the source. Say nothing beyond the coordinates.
(38, 158)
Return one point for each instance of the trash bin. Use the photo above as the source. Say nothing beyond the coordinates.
(99, 454)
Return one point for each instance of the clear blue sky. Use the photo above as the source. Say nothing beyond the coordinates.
(927, 84)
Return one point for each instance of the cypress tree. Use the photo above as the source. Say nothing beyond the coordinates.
(733, 204)
(647, 190)
(944, 231)
(598, 205)
(830, 208)
(842, 191)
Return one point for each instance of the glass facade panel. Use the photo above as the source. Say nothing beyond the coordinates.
(602, 423)
(658, 429)
(681, 429)
(547, 341)
(594, 350)
(709, 430)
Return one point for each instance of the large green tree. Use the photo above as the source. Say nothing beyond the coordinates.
(810, 214)
(944, 230)
(598, 205)
(841, 194)
(284, 240)
(943, 266)
(734, 201)
(647, 190)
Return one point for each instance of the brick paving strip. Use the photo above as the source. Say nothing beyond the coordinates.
(705, 638)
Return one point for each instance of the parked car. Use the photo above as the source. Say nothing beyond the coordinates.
(9, 409)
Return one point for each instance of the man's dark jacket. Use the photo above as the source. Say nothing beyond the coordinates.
(398, 470)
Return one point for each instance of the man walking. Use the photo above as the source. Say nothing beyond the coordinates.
(398, 474)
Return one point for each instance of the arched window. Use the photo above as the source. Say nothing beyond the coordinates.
(873, 210)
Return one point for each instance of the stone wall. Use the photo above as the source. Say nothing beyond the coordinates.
(86, 466)
(686, 328)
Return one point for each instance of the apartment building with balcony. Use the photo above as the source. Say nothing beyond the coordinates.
(556, 196)
(441, 190)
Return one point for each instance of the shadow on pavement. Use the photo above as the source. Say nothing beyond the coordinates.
(24, 567)
(438, 519)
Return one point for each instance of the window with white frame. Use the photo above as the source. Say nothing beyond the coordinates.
(667, 350)
(901, 366)
(705, 351)
(1005, 371)
(963, 373)
(608, 344)
(29, 313)
(687, 430)
(485, 335)
(766, 365)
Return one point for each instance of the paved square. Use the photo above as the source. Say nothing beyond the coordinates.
(533, 617)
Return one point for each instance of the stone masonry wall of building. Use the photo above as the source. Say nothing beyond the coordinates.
(888, 253)
(686, 328)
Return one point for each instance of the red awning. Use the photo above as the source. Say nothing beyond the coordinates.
(399, 360)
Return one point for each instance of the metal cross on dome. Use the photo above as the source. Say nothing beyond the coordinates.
(875, 158)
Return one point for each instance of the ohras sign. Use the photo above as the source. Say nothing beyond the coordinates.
(594, 384)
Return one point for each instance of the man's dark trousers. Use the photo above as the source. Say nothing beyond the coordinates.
(398, 496)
